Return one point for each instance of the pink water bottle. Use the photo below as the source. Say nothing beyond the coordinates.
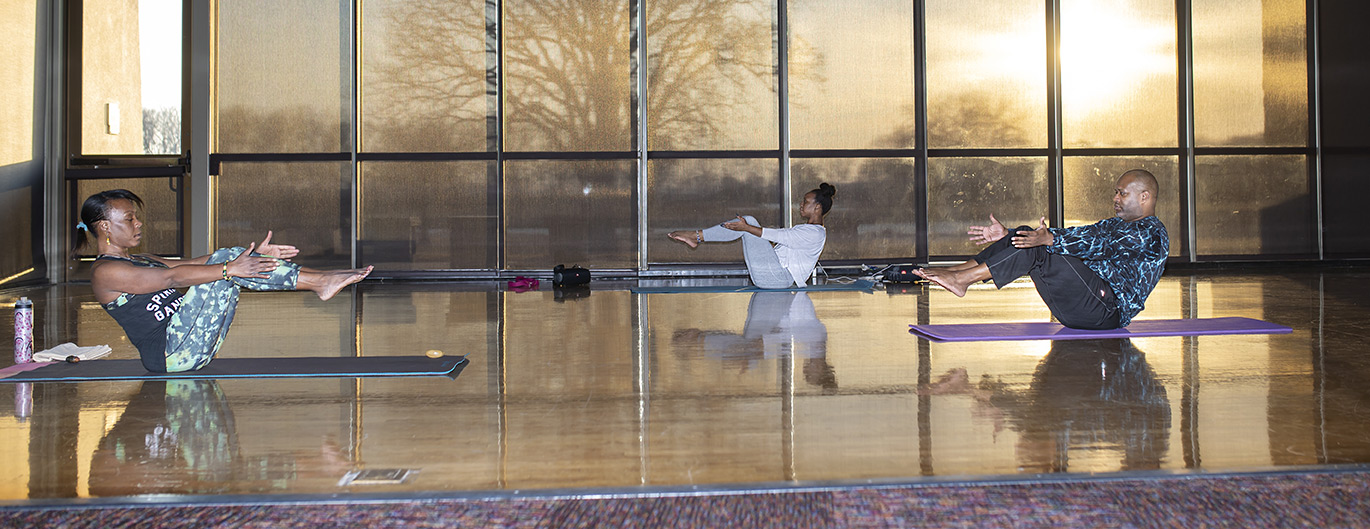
(23, 331)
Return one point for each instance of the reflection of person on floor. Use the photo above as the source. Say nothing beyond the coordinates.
(1084, 395)
(175, 332)
(174, 436)
(179, 436)
(776, 257)
(1091, 277)
(778, 324)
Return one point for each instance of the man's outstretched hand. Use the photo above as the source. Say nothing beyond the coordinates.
(987, 234)
(279, 251)
(1037, 237)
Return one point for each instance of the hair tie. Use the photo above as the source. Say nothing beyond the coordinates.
(81, 225)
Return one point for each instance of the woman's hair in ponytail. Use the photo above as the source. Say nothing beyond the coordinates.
(96, 209)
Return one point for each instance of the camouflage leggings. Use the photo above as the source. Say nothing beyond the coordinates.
(198, 328)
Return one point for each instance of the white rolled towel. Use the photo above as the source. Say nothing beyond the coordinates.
(61, 352)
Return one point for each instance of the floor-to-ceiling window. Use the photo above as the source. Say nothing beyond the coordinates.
(284, 126)
(481, 135)
(1253, 174)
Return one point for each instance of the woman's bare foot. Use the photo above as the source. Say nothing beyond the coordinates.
(690, 238)
(329, 284)
(952, 280)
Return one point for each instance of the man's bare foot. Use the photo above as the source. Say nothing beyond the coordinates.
(690, 238)
(952, 280)
(331, 283)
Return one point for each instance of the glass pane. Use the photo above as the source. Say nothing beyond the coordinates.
(568, 76)
(1090, 181)
(428, 215)
(428, 71)
(842, 96)
(280, 82)
(694, 194)
(25, 55)
(22, 147)
(872, 214)
(986, 74)
(711, 75)
(964, 192)
(569, 213)
(131, 77)
(1250, 73)
(1253, 205)
(161, 213)
(1118, 63)
(307, 205)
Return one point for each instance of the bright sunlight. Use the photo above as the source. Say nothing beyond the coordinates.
(1107, 46)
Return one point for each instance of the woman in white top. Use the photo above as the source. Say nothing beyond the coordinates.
(776, 257)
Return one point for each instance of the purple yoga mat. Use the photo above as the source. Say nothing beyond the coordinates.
(976, 332)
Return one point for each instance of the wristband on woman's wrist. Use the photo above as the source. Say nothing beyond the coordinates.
(225, 271)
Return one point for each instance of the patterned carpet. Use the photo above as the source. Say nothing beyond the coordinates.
(1312, 499)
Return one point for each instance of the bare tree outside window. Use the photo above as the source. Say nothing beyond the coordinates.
(569, 78)
(429, 76)
(569, 83)
(161, 130)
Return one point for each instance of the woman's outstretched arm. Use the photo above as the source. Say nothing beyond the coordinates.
(111, 278)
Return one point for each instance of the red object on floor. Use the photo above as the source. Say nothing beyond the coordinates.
(523, 284)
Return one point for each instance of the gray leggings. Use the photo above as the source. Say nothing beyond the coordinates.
(762, 263)
(197, 329)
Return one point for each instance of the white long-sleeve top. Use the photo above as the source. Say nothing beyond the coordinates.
(798, 248)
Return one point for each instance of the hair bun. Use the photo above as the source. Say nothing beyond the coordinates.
(827, 189)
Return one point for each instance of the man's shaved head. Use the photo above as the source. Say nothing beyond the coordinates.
(1135, 195)
(1145, 178)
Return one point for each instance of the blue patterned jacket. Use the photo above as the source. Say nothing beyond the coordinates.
(1129, 255)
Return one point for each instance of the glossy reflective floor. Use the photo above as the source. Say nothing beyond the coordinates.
(615, 390)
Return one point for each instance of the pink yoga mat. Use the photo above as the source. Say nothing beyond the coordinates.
(975, 332)
(22, 368)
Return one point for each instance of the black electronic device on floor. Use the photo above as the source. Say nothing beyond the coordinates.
(902, 274)
(563, 276)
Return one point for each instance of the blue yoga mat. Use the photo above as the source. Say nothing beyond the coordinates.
(975, 332)
(860, 284)
(336, 367)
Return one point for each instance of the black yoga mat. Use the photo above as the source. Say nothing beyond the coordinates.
(336, 367)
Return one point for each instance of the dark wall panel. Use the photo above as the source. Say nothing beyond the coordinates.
(1345, 81)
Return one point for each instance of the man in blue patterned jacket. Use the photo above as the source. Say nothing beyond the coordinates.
(1091, 277)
